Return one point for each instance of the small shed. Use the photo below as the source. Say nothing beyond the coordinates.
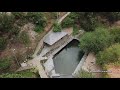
(53, 37)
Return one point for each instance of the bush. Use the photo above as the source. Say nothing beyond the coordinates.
(37, 18)
(75, 30)
(39, 29)
(57, 27)
(4, 63)
(22, 74)
(24, 38)
(69, 20)
(96, 41)
(3, 43)
(88, 21)
(19, 15)
(6, 23)
(115, 32)
(85, 74)
(109, 55)
(67, 23)
(110, 16)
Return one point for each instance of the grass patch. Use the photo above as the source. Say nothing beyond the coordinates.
(84, 74)
(22, 74)
(4, 63)
(3, 43)
(75, 30)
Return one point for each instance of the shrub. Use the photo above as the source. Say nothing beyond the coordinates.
(37, 18)
(6, 23)
(67, 23)
(57, 27)
(115, 32)
(3, 43)
(88, 21)
(22, 74)
(4, 63)
(75, 30)
(96, 41)
(24, 38)
(69, 20)
(39, 29)
(110, 16)
(85, 74)
(19, 15)
(109, 55)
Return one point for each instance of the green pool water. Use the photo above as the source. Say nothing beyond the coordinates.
(67, 59)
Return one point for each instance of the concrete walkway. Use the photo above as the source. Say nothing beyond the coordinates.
(91, 66)
(36, 63)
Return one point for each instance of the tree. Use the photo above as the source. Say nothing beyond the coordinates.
(109, 55)
(88, 21)
(110, 16)
(70, 20)
(96, 41)
(85, 74)
(37, 18)
(115, 32)
(6, 23)
(21, 74)
(57, 27)
(4, 63)
(3, 43)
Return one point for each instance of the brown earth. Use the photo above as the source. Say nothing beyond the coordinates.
(114, 71)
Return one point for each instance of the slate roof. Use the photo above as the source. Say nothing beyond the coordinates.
(54, 37)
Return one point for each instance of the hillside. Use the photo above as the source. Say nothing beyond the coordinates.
(22, 36)
(23, 32)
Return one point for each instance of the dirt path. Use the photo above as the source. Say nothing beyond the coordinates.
(114, 71)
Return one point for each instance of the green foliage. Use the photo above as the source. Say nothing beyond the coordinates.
(69, 20)
(88, 21)
(96, 41)
(57, 27)
(6, 23)
(22, 74)
(85, 74)
(4, 63)
(3, 43)
(39, 29)
(110, 16)
(37, 18)
(75, 30)
(109, 55)
(115, 32)
(19, 15)
(24, 38)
